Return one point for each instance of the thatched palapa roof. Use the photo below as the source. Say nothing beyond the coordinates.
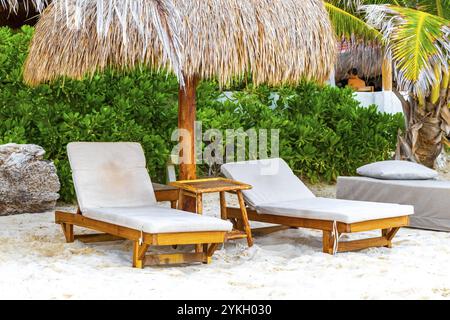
(28, 5)
(278, 41)
(367, 57)
(75, 39)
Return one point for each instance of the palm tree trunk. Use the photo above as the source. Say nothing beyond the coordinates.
(427, 127)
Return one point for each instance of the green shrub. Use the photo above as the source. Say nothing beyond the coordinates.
(323, 133)
(137, 107)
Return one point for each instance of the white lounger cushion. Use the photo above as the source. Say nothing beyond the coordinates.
(272, 181)
(109, 175)
(284, 194)
(113, 186)
(344, 211)
(154, 219)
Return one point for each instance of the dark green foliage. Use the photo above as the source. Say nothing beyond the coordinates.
(323, 131)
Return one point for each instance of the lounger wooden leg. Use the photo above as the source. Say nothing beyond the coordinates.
(210, 251)
(247, 228)
(68, 232)
(327, 242)
(139, 254)
(173, 204)
(239, 224)
(384, 234)
(234, 221)
(389, 234)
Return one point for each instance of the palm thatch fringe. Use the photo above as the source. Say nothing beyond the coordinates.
(277, 41)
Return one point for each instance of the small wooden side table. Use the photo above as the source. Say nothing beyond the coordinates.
(196, 189)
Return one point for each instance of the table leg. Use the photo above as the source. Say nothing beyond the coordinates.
(180, 200)
(223, 206)
(247, 229)
(199, 204)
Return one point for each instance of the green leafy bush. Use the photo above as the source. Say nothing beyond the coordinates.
(324, 133)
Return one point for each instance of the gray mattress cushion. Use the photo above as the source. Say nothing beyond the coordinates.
(430, 198)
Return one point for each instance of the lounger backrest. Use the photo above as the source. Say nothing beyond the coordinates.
(110, 175)
(272, 181)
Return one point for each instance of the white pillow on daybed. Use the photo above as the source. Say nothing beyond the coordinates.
(397, 170)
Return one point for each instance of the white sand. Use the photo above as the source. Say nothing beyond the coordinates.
(35, 263)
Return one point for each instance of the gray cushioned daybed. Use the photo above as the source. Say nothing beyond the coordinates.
(430, 198)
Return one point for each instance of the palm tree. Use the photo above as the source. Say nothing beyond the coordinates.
(416, 34)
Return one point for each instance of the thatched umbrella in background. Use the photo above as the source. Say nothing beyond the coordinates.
(367, 57)
(276, 41)
(17, 13)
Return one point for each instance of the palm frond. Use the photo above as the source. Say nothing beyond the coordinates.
(418, 41)
(348, 25)
(440, 8)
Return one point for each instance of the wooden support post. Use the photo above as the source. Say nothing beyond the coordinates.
(387, 74)
(186, 122)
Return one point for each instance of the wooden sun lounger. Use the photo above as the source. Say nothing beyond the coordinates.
(389, 228)
(280, 198)
(117, 199)
(142, 241)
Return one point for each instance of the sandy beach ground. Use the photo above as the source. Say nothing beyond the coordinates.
(36, 263)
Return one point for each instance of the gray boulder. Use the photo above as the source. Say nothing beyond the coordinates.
(28, 183)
